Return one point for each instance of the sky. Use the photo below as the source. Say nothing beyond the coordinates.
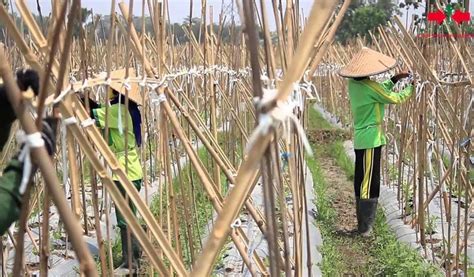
(179, 9)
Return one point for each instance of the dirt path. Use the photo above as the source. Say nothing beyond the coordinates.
(353, 250)
(354, 253)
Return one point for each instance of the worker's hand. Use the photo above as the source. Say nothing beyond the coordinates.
(401, 75)
(28, 79)
(92, 105)
(25, 79)
(48, 133)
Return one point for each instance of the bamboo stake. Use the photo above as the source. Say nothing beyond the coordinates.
(40, 154)
(132, 192)
(332, 32)
(246, 171)
(166, 105)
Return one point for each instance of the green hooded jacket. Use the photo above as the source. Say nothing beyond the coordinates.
(10, 198)
(368, 99)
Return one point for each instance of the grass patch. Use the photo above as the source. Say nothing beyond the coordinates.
(395, 258)
(316, 120)
(338, 152)
(331, 263)
(116, 254)
(200, 210)
(325, 210)
(201, 205)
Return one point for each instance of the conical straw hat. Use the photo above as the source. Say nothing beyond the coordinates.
(366, 63)
(118, 84)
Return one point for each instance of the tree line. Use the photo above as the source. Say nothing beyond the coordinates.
(362, 16)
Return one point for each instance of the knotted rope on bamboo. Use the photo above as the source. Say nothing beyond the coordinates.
(281, 115)
(33, 140)
(66, 122)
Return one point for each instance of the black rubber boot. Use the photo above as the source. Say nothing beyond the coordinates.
(124, 268)
(366, 215)
(358, 211)
(136, 252)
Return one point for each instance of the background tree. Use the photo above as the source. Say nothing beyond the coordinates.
(362, 17)
(344, 32)
(367, 18)
(85, 14)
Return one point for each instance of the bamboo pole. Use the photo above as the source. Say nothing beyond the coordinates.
(40, 154)
(247, 169)
(111, 160)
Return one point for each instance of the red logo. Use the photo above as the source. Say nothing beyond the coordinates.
(461, 17)
(437, 16)
(458, 16)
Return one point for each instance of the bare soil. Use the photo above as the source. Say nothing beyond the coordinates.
(327, 135)
(355, 256)
(353, 248)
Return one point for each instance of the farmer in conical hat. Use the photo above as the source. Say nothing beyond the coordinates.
(117, 116)
(368, 99)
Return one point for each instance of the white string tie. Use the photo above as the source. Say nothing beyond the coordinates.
(419, 88)
(161, 98)
(67, 121)
(309, 87)
(87, 123)
(62, 95)
(126, 84)
(263, 126)
(119, 123)
(155, 101)
(153, 86)
(143, 82)
(297, 96)
(85, 84)
(237, 224)
(281, 114)
(30, 141)
(72, 79)
(399, 127)
(108, 81)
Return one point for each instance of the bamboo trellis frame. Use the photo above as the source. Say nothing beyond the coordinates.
(187, 125)
(182, 80)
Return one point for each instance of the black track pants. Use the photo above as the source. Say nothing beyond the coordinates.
(367, 173)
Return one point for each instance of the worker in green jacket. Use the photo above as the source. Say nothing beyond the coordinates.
(368, 99)
(117, 117)
(10, 182)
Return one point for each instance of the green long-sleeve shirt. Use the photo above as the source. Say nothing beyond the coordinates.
(10, 198)
(117, 140)
(368, 99)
